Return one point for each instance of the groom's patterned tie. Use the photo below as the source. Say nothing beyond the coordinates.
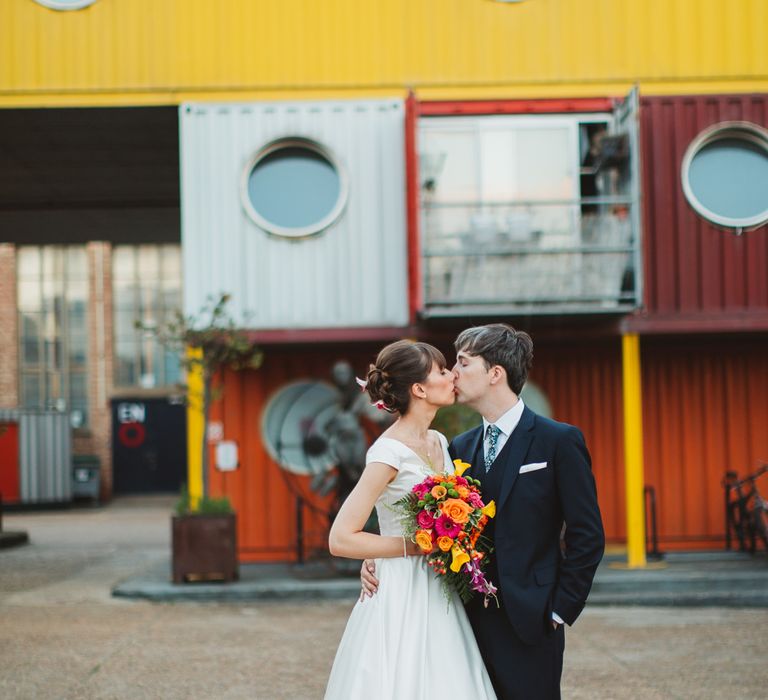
(493, 437)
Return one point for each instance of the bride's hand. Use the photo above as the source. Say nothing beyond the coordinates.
(368, 580)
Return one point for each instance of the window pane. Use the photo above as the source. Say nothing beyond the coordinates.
(53, 324)
(51, 257)
(124, 292)
(294, 187)
(51, 293)
(449, 165)
(78, 350)
(77, 389)
(546, 164)
(729, 177)
(31, 326)
(149, 291)
(30, 295)
(30, 390)
(125, 328)
(28, 263)
(171, 300)
(77, 291)
(54, 390)
(149, 302)
(171, 263)
(125, 370)
(53, 354)
(77, 264)
(499, 164)
(149, 264)
(172, 368)
(123, 267)
(30, 353)
(77, 318)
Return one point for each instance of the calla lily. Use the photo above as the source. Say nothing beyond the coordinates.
(460, 557)
(460, 467)
(490, 509)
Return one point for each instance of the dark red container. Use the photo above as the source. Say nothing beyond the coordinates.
(697, 277)
(9, 462)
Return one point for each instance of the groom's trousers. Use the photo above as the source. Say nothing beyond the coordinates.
(518, 671)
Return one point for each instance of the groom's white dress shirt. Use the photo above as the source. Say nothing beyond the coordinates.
(506, 425)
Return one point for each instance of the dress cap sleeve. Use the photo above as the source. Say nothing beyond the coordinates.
(383, 451)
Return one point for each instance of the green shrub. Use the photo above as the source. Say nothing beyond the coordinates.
(205, 506)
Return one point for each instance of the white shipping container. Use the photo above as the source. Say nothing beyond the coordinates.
(351, 274)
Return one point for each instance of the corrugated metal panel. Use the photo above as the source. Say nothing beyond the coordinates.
(703, 410)
(583, 384)
(691, 267)
(264, 495)
(705, 413)
(160, 46)
(354, 274)
(45, 455)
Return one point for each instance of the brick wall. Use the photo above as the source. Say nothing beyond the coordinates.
(97, 439)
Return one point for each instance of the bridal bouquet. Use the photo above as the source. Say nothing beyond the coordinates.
(445, 516)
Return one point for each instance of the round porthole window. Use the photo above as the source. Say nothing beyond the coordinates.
(294, 187)
(725, 175)
(65, 4)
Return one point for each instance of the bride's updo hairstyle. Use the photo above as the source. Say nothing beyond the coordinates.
(398, 367)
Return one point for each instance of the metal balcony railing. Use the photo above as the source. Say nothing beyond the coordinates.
(559, 256)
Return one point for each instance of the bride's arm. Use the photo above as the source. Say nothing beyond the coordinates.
(347, 538)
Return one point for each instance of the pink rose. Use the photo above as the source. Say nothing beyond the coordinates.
(424, 519)
(475, 499)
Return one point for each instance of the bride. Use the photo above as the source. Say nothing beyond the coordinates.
(407, 641)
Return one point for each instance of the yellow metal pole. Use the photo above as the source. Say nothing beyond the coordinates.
(633, 451)
(195, 427)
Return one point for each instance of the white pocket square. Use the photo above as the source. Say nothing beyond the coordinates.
(532, 467)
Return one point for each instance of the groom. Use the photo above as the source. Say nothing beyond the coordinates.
(538, 472)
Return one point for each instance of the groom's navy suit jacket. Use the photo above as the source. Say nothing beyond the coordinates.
(535, 579)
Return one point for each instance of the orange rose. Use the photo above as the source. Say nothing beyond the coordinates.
(423, 539)
(445, 543)
(456, 510)
(438, 492)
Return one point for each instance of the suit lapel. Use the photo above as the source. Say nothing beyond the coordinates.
(475, 453)
(516, 449)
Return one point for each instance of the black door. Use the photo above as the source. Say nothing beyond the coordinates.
(149, 445)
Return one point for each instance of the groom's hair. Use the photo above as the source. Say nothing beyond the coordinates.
(500, 344)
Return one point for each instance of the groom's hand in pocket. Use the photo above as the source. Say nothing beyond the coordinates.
(368, 580)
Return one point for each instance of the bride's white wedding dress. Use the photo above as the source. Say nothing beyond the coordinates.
(407, 642)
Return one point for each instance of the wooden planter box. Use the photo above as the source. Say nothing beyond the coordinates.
(204, 548)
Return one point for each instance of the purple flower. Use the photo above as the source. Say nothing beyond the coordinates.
(479, 583)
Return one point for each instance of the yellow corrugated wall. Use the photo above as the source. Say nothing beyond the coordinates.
(152, 51)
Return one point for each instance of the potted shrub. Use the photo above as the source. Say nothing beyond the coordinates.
(204, 544)
(204, 541)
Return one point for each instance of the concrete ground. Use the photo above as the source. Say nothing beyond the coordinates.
(64, 636)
